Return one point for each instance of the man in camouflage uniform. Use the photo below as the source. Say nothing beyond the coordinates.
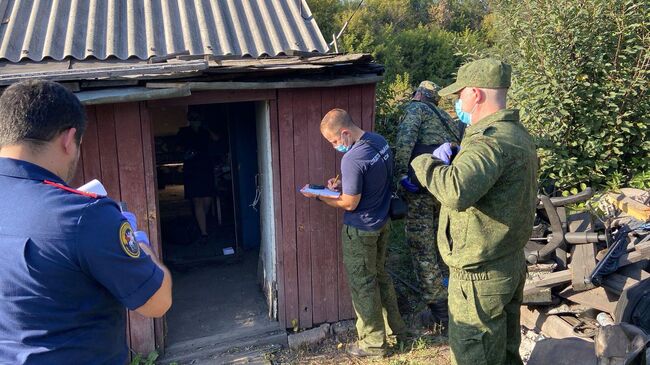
(488, 196)
(424, 124)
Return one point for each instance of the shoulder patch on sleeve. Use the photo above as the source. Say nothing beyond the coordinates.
(128, 242)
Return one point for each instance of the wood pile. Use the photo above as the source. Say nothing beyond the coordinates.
(562, 302)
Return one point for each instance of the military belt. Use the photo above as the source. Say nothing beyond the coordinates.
(497, 269)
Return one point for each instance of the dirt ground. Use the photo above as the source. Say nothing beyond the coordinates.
(426, 349)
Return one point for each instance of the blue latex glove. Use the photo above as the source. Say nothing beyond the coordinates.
(408, 185)
(132, 220)
(446, 152)
(141, 236)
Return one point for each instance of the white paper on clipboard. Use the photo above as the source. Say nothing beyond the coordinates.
(327, 193)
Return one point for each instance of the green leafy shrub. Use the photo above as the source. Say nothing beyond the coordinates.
(581, 81)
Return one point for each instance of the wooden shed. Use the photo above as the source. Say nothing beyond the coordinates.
(260, 74)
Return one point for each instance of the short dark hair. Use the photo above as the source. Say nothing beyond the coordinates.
(336, 119)
(36, 111)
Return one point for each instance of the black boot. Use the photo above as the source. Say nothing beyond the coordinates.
(440, 311)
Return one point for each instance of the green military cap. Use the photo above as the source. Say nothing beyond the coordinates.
(487, 73)
(430, 90)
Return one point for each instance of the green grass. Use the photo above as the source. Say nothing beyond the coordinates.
(149, 360)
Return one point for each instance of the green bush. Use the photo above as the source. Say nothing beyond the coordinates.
(581, 81)
(410, 56)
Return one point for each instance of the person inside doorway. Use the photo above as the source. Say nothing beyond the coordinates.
(198, 166)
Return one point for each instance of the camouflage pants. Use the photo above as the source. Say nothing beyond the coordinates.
(421, 230)
(484, 310)
(373, 294)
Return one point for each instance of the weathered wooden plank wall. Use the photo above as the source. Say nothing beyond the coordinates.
(312, 285)
(117, 149)
(313, 280)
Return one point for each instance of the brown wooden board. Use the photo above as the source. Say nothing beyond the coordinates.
(152, 221)
(312, 103)
(552, 326)
(132, 186)
(216, 96)
(90, 151)
(641, 252)
(301, 101)
(288, 192)
(331, 231)
(107, 160)
(108, 150)
(597, 298)
(583, 263)
(341, 100)
(583, 257)
(368, 100)
(550, 280)
(355, 106)
(630, 206)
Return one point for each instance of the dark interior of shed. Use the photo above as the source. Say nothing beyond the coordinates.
(216, 291)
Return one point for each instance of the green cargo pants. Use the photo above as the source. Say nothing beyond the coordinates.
(421, 228)
(373, 294)
(484, 311)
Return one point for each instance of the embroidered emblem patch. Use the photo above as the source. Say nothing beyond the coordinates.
(128, 242)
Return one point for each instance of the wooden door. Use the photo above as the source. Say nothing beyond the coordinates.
(118, 150)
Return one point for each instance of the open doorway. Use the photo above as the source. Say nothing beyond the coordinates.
(216, 222)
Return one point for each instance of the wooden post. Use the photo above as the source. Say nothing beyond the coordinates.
(583, 257)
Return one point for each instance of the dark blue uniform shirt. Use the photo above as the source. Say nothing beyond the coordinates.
(68, 267)
(366, 169)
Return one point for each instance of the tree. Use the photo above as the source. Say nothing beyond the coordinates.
(458, 15)
(326, 13)
(581, 81)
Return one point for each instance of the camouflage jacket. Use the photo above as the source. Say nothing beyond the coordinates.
(420, 124)
(488, 193)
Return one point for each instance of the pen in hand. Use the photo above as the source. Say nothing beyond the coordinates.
(332, 183)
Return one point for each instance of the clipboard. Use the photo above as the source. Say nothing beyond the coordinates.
(326, 193)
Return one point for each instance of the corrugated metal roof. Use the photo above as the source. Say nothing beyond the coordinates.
(37, 29)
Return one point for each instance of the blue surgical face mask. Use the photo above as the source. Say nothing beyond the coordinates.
(342, 148)
(464, 117)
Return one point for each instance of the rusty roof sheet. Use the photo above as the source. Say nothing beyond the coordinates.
(81, 29)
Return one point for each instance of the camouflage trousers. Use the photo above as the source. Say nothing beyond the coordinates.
(484, 312)
(421, 230)
(373, 294)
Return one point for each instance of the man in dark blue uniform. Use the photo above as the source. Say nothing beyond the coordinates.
(69, 261)
(366, 173)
